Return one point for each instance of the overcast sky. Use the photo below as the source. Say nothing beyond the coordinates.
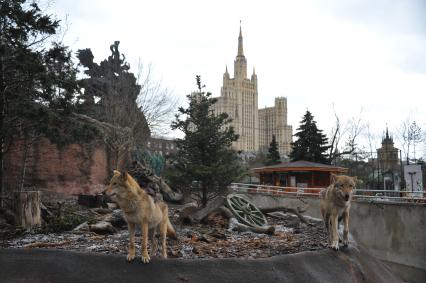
(358, 55)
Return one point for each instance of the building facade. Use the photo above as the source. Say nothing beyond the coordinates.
(162, 146)
(389, 165)
(273, 121)
(239, 99)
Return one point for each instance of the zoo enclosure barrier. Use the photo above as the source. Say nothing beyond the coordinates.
(384, 195)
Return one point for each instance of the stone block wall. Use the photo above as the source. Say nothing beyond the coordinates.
(71, 170)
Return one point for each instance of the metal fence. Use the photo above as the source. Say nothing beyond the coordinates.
(382, 195)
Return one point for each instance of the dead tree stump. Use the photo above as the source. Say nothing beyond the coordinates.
(27, 208)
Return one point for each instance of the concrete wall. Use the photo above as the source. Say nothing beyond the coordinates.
(393, 232)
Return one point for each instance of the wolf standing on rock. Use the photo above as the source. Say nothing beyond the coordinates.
(140, 209)
(335, 205)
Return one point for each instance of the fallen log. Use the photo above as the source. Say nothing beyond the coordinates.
(225, 212)
(46, 214)
(102, 228)
(83, 227)
(115, 218)
(296, 211)
(211, 207)
(152, 183)
(186, 211)
(46, 245)
(234, 225)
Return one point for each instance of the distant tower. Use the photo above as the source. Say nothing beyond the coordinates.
(239, 99)
(388, 154)
(389, 163)
(240, 62)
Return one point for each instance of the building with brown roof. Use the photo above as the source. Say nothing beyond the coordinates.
(302, 174)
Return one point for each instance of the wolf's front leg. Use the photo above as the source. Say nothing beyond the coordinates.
(145, 256)
(163, 232)
(131, 252)
(345, 227)
(154, 247)
(334, 233)
(327, 225)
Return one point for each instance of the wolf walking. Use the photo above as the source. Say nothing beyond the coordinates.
(335, 205)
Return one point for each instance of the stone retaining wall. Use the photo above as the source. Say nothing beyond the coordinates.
(391, 231)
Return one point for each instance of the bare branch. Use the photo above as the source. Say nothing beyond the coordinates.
(156, 102)
(409, 135)
(351, 129)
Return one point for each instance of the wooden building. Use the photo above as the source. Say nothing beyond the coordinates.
(302, 174)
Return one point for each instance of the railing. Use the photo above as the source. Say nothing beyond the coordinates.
(386, 195)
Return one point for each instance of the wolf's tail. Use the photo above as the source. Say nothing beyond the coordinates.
(171, 233)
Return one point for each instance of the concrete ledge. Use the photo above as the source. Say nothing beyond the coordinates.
(391, 231)
(347, 265)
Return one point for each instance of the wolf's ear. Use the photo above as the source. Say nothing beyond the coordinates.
(355, 179)
(123, 176)
(333, 178)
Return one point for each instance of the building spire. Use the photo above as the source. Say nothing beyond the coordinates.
(240, 43)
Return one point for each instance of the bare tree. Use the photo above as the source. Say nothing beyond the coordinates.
(410, 134)
(349, 130)
(372, 140)
(156, 102)
(416, 136)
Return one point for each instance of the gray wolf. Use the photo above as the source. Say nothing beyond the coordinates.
(140, 209)
(335, 204)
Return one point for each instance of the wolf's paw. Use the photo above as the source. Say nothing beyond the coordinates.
(335, 246)
(164, 255)
(130, 257)
(345, 242)
(145, 258)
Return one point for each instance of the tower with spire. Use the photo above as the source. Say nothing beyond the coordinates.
(388, 161)
(240, 62)
(239, 99)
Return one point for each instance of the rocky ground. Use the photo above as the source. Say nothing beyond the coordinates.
(211, 239)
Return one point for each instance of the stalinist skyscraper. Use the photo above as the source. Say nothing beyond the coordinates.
(239, 98)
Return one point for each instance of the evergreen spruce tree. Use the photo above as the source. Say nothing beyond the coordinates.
(205, 163)
(38, 84)
(311, 143)
(273, 156)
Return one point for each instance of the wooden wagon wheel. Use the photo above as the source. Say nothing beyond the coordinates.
(246, 212)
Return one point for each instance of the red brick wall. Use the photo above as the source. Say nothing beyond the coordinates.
(71, 170)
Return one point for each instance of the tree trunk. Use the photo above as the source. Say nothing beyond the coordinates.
(204, 196)
(1, 172)
(2, 112)
(237, 226)
(27, 208)
(24, 166)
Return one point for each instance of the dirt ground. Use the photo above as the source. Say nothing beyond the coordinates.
(211, 239)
